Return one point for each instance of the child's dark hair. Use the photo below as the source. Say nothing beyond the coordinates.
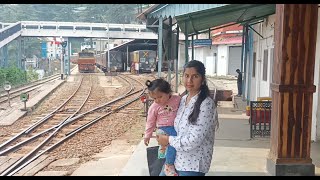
(160, 85)
(204, 89)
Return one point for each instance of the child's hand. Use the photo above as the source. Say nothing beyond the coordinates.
(146, 141)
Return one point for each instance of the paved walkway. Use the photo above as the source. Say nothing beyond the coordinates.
(235, 154)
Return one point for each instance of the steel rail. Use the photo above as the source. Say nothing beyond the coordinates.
(48, 138)
(30, 86)
(11, 148)
(69, 119)
(9, 171)
(27, 130)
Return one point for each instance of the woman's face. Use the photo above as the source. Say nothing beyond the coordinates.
(192, 80)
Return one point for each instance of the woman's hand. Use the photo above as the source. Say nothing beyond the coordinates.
(163, 140)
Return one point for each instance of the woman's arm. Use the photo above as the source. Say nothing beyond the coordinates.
(197, 132)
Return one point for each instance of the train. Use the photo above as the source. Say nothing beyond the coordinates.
(118, 61)
(145, 58)
(86, 61)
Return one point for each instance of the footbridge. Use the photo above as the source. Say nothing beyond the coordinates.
(10, 31)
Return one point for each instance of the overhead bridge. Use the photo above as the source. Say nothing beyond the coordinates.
(10, 31)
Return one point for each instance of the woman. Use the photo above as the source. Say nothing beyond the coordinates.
(195, 124)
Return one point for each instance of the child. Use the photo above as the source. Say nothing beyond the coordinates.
(161, 114)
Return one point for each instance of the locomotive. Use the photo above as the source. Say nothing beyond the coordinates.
(86, 61)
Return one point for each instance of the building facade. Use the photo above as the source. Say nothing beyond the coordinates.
(262, 68)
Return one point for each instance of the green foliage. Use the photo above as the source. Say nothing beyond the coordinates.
(16, 76)
(13, 75)
(32, 75)
(99, 13)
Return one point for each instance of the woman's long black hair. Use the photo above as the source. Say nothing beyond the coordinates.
(204, 89)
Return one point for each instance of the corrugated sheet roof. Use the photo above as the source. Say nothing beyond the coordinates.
(166, 10)
(237, 13)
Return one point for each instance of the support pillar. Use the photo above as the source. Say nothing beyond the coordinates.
(186, 42)
(176, 60)
(245, 59)
(128, 65)
(160, 35)
(5, 55)
(19, 53)
(69, 46)
(23, 53)
(292, 90)
(169, 49)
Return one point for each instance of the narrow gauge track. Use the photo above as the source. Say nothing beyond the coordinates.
(46, 140)
(25, 89)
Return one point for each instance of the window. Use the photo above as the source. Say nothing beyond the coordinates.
(265, 65)
(86, 54)
(254, 64)
(142, 60)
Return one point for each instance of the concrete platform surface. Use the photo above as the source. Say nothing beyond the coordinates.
(14, 113)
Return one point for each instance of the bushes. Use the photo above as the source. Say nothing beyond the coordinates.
(32, 75)
(17, 76)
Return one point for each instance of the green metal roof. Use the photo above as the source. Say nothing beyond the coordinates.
(238, 13)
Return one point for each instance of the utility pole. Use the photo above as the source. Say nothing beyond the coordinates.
(64, 45)
(108, 48)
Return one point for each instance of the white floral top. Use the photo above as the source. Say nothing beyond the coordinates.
(194, 143)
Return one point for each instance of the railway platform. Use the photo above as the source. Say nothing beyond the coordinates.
(8, 115)
(235, 153)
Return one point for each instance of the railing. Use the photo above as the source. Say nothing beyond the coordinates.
(9, 31)
(260, 118)
(83, 26)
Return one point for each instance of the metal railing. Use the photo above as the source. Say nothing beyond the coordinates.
(260, 118)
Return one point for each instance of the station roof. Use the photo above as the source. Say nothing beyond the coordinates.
(201, 17)
(137, 44)
(237, 13)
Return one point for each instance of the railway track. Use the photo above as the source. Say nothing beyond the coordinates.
(65, 121)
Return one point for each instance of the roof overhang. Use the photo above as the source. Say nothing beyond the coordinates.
(201, 21)
(143, 15)
(137, 44)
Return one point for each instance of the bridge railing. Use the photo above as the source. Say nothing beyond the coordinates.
(3, 25)
(9, 30)
(83, 26)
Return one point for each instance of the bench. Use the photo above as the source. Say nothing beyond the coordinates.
(260, 118)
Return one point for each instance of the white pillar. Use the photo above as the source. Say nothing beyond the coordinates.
(315, 109)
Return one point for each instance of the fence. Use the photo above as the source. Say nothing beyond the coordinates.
(260, 118)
